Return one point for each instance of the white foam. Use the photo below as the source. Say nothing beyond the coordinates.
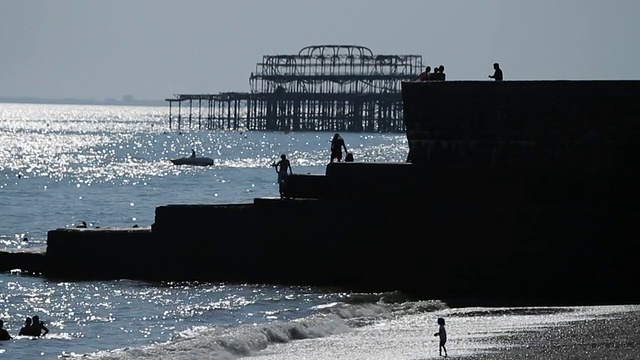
(233, 341)
(392, 331)
(471, 332)
(224, 343)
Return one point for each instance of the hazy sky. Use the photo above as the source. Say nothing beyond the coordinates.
(153, 49)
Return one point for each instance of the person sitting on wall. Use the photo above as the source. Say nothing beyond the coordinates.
(441, 75)
(425, 75)
(436, 73)
(348, 157)
(337, 144)
(497, 72)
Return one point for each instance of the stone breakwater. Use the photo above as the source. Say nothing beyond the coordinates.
(460, 253)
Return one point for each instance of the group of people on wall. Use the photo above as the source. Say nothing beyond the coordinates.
(283, 166)
(439, 75)
(32, 327)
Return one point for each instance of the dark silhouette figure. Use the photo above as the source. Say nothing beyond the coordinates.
(283, 168)
(497, 72)
(4, 334)
(436, 74)
(337, 144)
(441, 74)
(38, 327)
(193, 153)
(425, 75)
(27, 329)
(348, 157)
(442, 333)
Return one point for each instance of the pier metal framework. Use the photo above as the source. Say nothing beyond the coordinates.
(322, 88)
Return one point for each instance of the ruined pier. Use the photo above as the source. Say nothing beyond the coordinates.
(322, 88)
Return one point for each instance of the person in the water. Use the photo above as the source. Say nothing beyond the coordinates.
(4, 334)
(27, 329)
(38, 327)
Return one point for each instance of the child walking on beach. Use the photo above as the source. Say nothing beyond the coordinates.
(443, 336)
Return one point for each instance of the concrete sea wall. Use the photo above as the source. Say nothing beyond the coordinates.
(517, 193)
(540, 141)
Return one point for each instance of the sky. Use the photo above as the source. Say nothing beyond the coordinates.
(152, 49)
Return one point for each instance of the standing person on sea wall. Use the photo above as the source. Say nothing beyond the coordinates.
(283, 168)
(337, 144)
(497, 72)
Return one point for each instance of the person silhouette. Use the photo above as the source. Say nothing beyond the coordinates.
(348, 157)
(27, 329)
(425, 75)
(441, 75)
(436, 74)
(497, 72)
(38, 327)
(193, 153)
(4, 334)
(337, 144)
(283, 168)
(442, 333)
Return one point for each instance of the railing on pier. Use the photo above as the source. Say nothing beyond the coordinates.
(322, 88)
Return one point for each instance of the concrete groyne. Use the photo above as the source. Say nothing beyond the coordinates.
(463, 254)
(486, 213)
(102, 253)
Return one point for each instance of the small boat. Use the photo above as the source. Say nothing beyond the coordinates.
(194, 161)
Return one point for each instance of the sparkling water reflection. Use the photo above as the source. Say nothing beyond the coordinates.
(109, 166)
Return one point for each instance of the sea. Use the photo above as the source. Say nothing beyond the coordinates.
(61, 165)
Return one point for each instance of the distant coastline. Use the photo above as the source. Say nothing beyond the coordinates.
(72, 101)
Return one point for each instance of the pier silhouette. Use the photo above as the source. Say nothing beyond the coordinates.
(322, 88)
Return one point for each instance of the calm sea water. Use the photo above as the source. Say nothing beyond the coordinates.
(109, 166)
